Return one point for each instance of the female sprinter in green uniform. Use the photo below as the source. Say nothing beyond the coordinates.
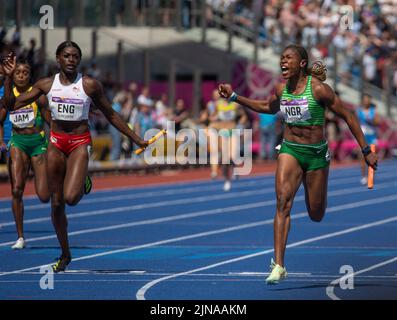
(304, 155)
(28, 147)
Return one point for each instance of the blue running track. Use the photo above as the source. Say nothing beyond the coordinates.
(192, 241)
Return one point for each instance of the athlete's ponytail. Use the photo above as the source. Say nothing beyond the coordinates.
(318, 70)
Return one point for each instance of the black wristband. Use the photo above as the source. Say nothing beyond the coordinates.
(366, 150)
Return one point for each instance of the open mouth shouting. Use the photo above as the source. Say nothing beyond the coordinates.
(284, 71)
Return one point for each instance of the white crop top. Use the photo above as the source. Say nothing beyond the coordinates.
(68, 103)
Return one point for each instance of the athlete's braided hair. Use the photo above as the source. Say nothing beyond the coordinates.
(318, 69)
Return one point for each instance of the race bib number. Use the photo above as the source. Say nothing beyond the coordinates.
(295, 109)
(67, 109)
(22, 118)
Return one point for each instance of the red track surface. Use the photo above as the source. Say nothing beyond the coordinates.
(164, 177)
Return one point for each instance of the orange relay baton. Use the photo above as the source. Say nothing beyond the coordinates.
(371, 172)
(152, 140)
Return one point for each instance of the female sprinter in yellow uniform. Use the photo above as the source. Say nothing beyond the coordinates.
(28, 147)
(223, 118)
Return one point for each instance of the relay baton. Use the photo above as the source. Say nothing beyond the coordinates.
(371, 172)
(152, 140)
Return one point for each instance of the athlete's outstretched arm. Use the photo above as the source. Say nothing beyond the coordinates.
(44, 110)
(10, 101)
(95, 90)
(329, 99)
(270, 105)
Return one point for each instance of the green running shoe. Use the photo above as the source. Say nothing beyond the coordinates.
(277, 273)
(61, 264)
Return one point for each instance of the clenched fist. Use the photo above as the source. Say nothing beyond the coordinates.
(225, 90)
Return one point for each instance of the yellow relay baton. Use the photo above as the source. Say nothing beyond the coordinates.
(152, 140)
(371, 172)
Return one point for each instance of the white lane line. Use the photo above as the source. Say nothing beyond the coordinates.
(147, 278)
(336, 172)
(219, 211)
(331, 286)
(143, 189)
(148, 194)
(152, 244)
(183, 238)
(243, 274)
(157, 220)
(140, 295)
(153, 204)
(264, 180)
(200, 199)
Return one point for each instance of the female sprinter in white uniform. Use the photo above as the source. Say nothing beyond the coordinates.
(70, 94)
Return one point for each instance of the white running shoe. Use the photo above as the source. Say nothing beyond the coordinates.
(20, 244)
(364, 181)
(227, 186)
(277, 273)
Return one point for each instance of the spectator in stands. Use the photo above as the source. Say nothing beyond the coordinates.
(372, 31)
(117, 104)
(31, 58)
(132, 93)
(163, 111)
(109, 85)
(145, 94)
(369, 121)
(120, 8)
(186, 13)
(180, 114)
(94, 71)
(145, 118)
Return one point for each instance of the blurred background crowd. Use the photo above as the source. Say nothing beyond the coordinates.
(366, 49)
(316, 24)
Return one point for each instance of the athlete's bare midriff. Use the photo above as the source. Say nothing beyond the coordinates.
(27, 131)
(223, 125)
(304, 135)
(69, 127)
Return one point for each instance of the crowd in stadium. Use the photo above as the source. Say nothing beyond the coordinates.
(312, 23)
(372, 34)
